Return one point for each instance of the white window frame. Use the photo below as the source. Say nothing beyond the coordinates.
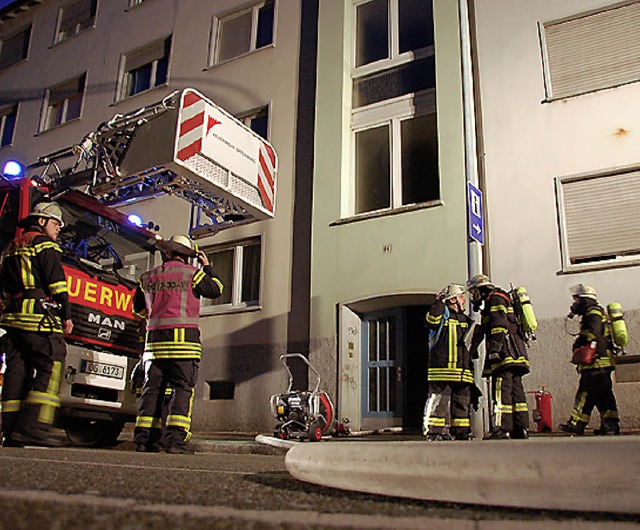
(395, 57)
(23, 31)
(247, 117)
(124, 79)
(236, 304)
(610, 209)
(4, 112)
(44, 121)
(391, 112)
(59, 37)
(219, 20)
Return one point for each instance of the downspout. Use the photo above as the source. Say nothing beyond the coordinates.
(479, 418)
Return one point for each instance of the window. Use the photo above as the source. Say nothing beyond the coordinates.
(394, 117)
(238, 266)
(8, 117)
(145, 69)
(591, 51)
(14, 48)
(257, 121)
(64, 103)
(244, 31)
(75, 17)
(599, 219)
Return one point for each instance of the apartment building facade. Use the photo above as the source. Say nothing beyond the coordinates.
(68, 65)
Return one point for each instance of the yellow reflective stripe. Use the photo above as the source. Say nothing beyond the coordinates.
(436, 422)
(577, 414)
(433, 320)
(156, 423)
(175, 420)
(521, 407)
(497, 308)
(460, 422)
(498, 329)
(219, 283)
(10, 405)
(498, 402)
(197, 278)
(611, 414)
(144, 422)
(31, 322)
(47, 245)
(26, 273)
(173, 346)
(58, 287)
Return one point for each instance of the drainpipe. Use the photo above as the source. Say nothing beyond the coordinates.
(479, 419)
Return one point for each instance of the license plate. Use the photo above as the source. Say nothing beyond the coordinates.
(103, 369)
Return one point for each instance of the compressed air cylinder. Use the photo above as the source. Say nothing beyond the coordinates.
(618, 326)
(529, 322)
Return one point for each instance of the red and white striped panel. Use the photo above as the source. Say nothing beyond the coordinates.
(266, 171)
(191, 128)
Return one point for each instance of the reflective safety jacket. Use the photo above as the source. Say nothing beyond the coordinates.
(449, 358)
(505, 349)
(32, 272)
(169, 298)
(594, 327)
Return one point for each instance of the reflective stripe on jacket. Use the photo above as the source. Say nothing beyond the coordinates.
(32, 271)
(449, 359)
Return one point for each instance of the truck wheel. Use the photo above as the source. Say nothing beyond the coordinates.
(93, 433)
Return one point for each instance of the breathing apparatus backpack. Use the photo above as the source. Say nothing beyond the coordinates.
(617, 326)
(525, 316)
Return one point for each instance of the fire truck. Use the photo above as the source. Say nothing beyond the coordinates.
(185, 146)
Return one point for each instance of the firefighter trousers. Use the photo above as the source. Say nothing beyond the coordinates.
(510, 410)
(595, 390)
(181, 375)
(447, 399)
(30, 394)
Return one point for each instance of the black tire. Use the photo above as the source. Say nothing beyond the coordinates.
(315, 431)
(93, 433)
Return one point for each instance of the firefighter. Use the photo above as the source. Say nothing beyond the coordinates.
(595, 388)
(506, 360)
(450, 372)
(36, 315)
(169, 298)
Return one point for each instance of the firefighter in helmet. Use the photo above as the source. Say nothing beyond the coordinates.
(36, 315)
(595, 388)
(506, 359)
(450, 372)
(168, 296)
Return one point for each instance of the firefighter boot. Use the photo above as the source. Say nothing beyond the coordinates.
(38, 437)
(576, 430)
(499, 434)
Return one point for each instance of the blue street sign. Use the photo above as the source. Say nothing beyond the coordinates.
(476, 224)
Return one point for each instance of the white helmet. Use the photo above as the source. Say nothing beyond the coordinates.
(451, 291)
(479, 280)
(583, 291)
(178, 244)
(48, 210)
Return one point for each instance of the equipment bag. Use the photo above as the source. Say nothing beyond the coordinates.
(619, 332)
(523, 310)
(584, 354)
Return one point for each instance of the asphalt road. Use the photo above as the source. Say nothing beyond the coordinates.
(69, 488)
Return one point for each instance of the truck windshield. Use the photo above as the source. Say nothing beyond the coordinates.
(106, 246)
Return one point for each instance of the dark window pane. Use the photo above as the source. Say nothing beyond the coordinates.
(393, 388)
(260, 123)
(383, 385)
(8, 217)
(140, 79)
(419, 139)
(265, 25)
(373, 341)
(406, 79)
(162, 70)
(416, 24)
(251, 273)
(15, 48)
(372, 32)
(222, 263)
(8, 128)
(373, 389)
(384, 340)
(373, 181)
(392, 339)
(74, 107)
